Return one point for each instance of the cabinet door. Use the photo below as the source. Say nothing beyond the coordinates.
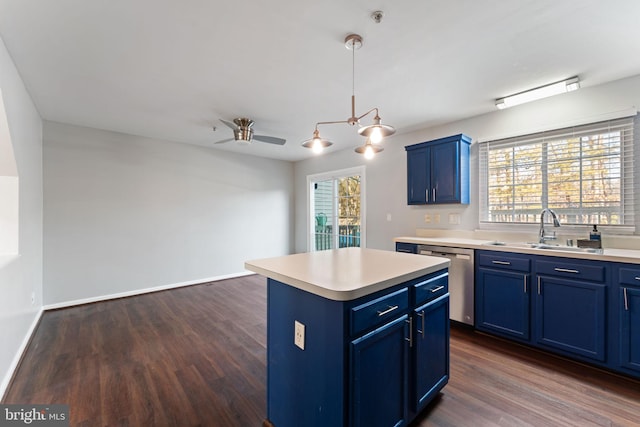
(417, 176)
(379, 374)
(503, 302)
(431, 350)
(630, 328)
(445, 173)
(570, 316)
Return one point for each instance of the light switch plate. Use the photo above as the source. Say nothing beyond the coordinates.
(298, 334)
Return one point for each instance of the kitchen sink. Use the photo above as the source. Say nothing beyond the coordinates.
(545, 246)
(565, 248)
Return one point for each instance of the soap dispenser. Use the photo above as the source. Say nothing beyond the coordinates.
(595, 234)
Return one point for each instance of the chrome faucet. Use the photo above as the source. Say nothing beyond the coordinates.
(556, 223)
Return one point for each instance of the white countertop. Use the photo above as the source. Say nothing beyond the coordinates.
(608, 254)
(348, 273)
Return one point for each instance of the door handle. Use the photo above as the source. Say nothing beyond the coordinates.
(410, 339)
(421, 315)
(626, 300)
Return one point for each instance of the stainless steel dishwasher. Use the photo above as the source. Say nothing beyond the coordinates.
(461, 282)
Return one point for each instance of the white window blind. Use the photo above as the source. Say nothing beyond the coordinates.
(584, 173)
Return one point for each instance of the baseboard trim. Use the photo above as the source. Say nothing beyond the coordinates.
(135, 292)
(15, 363)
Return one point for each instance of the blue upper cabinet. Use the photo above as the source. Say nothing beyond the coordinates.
(438, 171)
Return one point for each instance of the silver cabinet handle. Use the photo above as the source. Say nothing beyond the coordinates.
(538, 285)
(501, 262)
(406, 251)
(422, 316)
(525, 283)
(437, 289)
(410, 339)
(626, 300)
(566, 270)
(637, 278)
(434, 194)
(388, 310)
(426, 195)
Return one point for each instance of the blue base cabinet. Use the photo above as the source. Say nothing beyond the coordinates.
(628, 279)
(586, 310)
(431, 356)
(503, 299)
(438, 171)
(571, 310)
(380, 376)
(374, 361)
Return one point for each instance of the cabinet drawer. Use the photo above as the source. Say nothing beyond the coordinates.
(504, 262)
(561, 268)
(378, 311)
(630, 276)
(410, 248)
(431, 288)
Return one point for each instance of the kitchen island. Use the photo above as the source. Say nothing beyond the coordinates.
(355, 337)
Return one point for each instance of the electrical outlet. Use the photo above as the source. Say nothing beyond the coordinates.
(427, 218)
(389, 217)
(454, 218)
(298, 334)
(436, 218)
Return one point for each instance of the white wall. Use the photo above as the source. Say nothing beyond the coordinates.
(125, 213)
(386, 174)
(21, 276)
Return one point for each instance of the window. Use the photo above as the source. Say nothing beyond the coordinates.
(9, 189)
(583, 173)
(336, 209)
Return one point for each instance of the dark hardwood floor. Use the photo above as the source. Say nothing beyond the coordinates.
(195, 356)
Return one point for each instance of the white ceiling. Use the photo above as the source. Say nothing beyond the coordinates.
(170, 69)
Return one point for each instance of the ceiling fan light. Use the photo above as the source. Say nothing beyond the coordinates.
(243, 134)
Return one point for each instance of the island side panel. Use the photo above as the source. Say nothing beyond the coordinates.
(305, 387)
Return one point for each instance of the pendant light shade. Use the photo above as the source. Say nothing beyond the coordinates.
(368, 149)
(377, 131)
(316, 143)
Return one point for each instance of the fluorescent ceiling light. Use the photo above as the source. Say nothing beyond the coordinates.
(539, 93)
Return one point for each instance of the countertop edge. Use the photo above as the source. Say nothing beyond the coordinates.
(350, 294)
(628, 256)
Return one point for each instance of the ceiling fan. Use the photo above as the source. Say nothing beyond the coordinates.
(243, 133)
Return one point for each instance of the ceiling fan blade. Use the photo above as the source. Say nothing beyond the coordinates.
(231, 125)
(224, 140)
(269, 139)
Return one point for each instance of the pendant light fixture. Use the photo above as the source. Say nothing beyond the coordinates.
(374, 133)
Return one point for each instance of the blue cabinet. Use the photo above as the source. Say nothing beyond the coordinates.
(380, 376)
(431, 355)
(503, 294)
(438, 171)
(571, 310)
(629, 316)
(374, 361)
